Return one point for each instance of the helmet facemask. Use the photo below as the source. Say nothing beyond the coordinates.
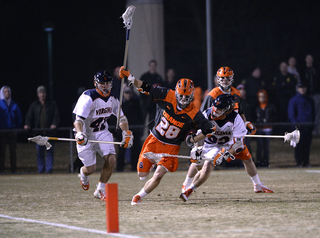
(103, 82)
(184, 92)
(225, 83)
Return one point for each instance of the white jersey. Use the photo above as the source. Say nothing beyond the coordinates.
(228, 128)
(95, 109)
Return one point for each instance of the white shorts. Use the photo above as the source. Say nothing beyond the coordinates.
(87, 153)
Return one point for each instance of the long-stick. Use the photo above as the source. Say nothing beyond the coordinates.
(127, 20)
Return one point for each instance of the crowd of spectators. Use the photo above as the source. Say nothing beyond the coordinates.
(293, 95)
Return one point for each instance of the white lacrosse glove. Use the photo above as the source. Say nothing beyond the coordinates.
(127, 139)
(196, 155)
(82, 139)
(188, 142)
(223, 154)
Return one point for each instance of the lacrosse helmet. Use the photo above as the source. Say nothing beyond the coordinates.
(184, 92)
(222, 106)
(225, 78)
(103, 82)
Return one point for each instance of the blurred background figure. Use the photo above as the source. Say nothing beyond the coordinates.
(43, 114)
(116, 82)
(311, 78)
(252, 85)
(265, 113)
(10, 118)
(284, 88)
(292, 63)
(170, 81)
(154, 79)
(301, 109)
(131, 108)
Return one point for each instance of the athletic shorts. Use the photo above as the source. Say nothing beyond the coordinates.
(152, 144)
(87, 153)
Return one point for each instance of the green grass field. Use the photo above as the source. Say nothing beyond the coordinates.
(225, 206)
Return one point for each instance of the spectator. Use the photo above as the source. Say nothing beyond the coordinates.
(43, 114)
(170, 79)
(292, 62)
(284, 86)
(311, 78)
(301, 109)
(154, 79)
(252, 85)
(10, 118)
(131, 108)
(265, 113)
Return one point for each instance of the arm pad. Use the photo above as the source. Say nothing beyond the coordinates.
(146, 87)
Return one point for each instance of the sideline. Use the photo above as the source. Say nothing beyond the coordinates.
(313, 171)
(70, 227)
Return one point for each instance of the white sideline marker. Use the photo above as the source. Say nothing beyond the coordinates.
(69, 227)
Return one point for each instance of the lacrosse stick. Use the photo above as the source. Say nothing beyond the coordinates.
(157, 156)
(43, 140)
(292, 137)
(127, 20)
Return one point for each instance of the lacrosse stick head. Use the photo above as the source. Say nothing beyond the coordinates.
(127, 17)
(153, 156)
(293, 137)
(41, 140)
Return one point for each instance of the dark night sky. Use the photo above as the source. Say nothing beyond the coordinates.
(89, 36)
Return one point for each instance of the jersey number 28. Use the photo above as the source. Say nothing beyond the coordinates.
(164, 128)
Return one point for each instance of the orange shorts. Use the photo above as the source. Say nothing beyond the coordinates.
(152, 144)
(243, 155)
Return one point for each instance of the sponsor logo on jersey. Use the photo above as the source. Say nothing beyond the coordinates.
(172, 120)
(103, 110)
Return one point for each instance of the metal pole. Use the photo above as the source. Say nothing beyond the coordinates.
(209, 45)
(49, 28)
(71, 152)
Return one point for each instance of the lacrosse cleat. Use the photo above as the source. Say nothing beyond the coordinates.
(185, 196)
(84, 181)
(136, 200)
(100, 193)
(260, 188)
(184, 188)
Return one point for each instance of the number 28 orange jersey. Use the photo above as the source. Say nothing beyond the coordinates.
(171, 124)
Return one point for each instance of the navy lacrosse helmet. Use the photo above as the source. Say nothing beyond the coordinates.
(222, 106)
(103, 82)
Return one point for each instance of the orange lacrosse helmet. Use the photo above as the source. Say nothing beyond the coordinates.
(225, 78)
(184, 92)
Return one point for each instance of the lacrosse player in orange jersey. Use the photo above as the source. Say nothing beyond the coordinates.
(225, 80)
(176, 115)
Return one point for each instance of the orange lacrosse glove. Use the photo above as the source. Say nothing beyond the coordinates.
(127, 139)
(251, 128)
(124, 73)
(223, 154)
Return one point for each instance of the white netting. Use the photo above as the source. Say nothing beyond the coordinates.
(41, 140)
(293, 137)
(127, 17)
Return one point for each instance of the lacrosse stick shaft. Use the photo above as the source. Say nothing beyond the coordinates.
(151, 154)
(91, 141)
(265, 136)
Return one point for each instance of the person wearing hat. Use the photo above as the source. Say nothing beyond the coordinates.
(301, 110)
(44, 116)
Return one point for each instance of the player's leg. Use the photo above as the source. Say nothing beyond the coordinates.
(198, 180)
(150, 185)
(192, 171)
(251, 169)
(106, 172)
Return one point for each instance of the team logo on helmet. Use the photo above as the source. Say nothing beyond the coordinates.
(184, 92)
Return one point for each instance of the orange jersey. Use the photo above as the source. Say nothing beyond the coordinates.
(215, 92)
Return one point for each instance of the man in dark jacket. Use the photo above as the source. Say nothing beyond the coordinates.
(43, 114)
(300, 110)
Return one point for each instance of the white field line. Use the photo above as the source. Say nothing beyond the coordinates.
(69, 227)
(313, 171)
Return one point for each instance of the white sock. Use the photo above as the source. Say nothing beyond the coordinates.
(255, 179)
(187, 181)
(142, 193)
(82, 172)
(193, 187)
(101, 185)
